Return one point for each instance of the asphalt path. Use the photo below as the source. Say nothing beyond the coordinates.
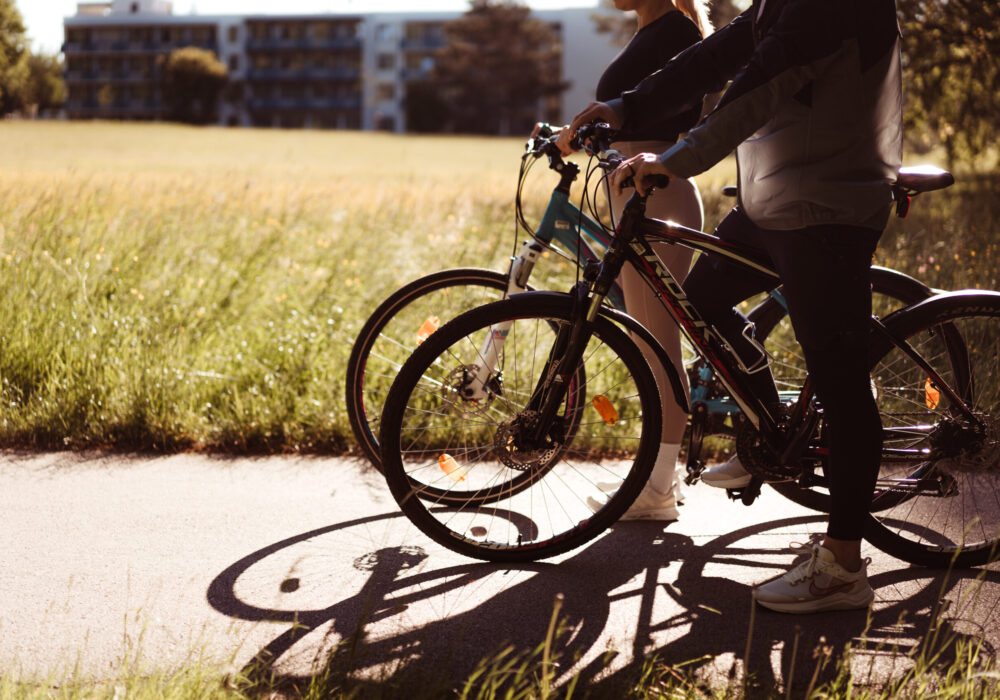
(115, 564)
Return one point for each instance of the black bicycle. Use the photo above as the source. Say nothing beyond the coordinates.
(412, 313)
(542, 414)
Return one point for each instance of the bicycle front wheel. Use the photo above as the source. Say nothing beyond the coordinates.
(937, 500)
(508, 495)
(400, 323)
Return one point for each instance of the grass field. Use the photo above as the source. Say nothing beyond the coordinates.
(169, 288)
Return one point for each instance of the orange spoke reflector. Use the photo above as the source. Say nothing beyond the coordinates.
(932, 397)
(450, 467)
(426, 328)
(604, 406)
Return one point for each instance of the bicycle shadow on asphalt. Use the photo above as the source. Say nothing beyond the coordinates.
(907, 618)
(398, 620)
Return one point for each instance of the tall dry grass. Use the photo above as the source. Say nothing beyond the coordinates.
(173, 288)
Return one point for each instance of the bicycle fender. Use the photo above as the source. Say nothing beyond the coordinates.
(903, 286)
(633, 326)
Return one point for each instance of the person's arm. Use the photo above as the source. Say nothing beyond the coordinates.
(680, 84)
(795, 50)
(685, 80)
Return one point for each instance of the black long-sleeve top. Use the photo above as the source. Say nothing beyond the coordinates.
(814, 109)
(648, 51)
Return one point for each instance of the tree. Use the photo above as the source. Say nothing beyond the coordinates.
(426, 110)
(45, 89)
(497, 67)
(194, 80)
(13, 57)
(951, 74)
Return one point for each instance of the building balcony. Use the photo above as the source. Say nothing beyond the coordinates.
(303, 104)
(411, 74)
(303, 74)
(304, 44)
(116, 108)
(423, 44)
(126, 47)
(78, 76)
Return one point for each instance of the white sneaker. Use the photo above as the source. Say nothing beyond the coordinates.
(816, 585)
(650, 504)
(728, 475)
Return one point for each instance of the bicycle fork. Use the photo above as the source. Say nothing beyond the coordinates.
(478, 375)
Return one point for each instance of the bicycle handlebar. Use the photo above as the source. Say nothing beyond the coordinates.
(595, 139)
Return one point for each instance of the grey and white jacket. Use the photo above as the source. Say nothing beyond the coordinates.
(813, 109)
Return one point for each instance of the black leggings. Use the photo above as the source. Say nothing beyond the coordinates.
(826, 280)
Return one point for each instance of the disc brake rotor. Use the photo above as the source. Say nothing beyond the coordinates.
(508, 443)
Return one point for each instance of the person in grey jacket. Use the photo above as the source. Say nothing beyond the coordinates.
(813, 110)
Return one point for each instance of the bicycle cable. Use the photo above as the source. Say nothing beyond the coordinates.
(534, 153)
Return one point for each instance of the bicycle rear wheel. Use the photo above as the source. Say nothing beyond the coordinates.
(395, 328)
(937, 500)
(507, 497)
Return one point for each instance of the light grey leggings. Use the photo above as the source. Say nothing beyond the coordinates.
(679, 202)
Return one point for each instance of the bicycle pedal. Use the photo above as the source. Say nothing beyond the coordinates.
(748, 494)
(694, 470)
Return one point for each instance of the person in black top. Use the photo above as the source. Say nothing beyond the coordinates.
(814, 112)
(665, 28)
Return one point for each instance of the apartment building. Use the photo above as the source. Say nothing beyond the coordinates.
(347, 71)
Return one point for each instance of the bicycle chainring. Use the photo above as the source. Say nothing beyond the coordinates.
(757, 458)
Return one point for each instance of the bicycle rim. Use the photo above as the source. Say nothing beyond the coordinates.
(395, 329)
(507, 500)
(941, 504)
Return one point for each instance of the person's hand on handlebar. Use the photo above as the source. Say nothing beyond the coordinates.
(641, 169)
(563, 136)
(594, 112)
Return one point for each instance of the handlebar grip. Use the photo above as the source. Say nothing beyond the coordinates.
(658, 181)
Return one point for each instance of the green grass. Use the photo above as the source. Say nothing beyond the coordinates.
(168, 288)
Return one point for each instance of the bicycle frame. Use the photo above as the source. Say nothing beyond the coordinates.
(786, 436)
(566, 224)
(631, 246)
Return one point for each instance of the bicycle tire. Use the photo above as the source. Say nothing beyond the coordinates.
(365, 391)
(423, 420)
(959, 524)
(891, 290)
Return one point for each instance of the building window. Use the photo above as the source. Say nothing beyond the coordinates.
(385, 91)
(386, 61)
(234, 63)
(135, 7)
(234, 34)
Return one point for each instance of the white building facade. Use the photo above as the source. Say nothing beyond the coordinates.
(293, 71)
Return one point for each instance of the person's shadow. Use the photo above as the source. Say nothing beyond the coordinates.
(713, 621)
(908, 624)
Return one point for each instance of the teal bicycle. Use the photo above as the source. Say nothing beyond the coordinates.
(409, 316)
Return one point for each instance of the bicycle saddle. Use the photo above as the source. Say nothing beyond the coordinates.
(924, 178)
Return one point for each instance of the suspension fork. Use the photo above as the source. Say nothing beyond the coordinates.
(477, 376)
(563, 361)
(572, 339)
